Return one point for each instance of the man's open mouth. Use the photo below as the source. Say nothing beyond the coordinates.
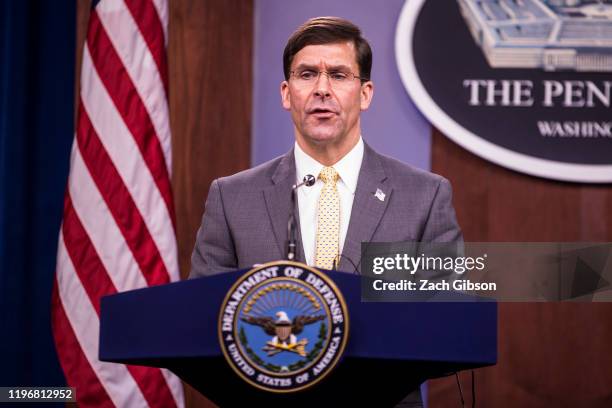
(322, 113)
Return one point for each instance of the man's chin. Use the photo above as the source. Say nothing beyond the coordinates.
(322, 137)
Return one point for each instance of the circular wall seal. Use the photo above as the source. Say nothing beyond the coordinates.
(525, 85)
(283, 326)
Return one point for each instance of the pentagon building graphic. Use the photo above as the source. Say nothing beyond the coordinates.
(547, 34)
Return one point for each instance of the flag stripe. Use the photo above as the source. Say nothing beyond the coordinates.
(99, 224)
(176, 386)
(87, 263)
(150, 26)
(90, 392)
(162, 12)
(138, 61)
(153, 385)
(115, 378)
(95, 281)
(125, 155)
(119, 202)
(125, 96)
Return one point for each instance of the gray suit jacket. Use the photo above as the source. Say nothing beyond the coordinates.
(246, 214)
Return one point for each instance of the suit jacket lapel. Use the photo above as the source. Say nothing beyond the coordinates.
(278, 203)
(367, 210)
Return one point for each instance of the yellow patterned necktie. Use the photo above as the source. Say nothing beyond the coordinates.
(328, 220)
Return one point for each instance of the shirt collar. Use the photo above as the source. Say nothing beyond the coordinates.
(348, 167)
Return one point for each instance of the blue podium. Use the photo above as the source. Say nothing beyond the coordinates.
(392, 347)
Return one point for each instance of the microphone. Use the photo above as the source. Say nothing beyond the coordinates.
(307, 181)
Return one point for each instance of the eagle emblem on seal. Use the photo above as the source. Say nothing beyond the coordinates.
(284, 332)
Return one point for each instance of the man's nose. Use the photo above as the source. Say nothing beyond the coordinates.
(323, 86)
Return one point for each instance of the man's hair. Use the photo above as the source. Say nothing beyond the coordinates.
(328, 30)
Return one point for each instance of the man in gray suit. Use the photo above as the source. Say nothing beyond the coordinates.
(327, 85)
(359, 195)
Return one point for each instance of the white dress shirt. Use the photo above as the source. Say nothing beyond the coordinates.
(308, 197)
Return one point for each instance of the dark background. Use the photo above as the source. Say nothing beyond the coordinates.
(37, 53)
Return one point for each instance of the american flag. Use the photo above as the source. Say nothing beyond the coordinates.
(118, 229)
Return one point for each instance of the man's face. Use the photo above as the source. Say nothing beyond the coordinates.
(325, 111)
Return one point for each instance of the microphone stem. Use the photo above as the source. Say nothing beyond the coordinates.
(291, 229)
(308, 181)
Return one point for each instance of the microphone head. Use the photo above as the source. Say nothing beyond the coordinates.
(309, 180)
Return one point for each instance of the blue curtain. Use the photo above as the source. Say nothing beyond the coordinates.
(37, 69)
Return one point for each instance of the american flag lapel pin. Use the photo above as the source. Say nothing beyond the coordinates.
(379, 194)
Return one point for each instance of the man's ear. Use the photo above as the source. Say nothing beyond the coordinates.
(366, 94)
(285, 98)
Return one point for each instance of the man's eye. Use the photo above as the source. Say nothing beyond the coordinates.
(307, 75)
(338, 76)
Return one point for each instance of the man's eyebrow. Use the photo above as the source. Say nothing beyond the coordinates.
(340, 67)
(306, 66)
(314, 67)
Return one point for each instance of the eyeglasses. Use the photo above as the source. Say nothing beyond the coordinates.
(307, 77)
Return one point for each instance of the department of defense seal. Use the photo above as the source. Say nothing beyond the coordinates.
(283, 326)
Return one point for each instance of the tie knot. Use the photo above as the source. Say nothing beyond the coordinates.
(328, 175)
